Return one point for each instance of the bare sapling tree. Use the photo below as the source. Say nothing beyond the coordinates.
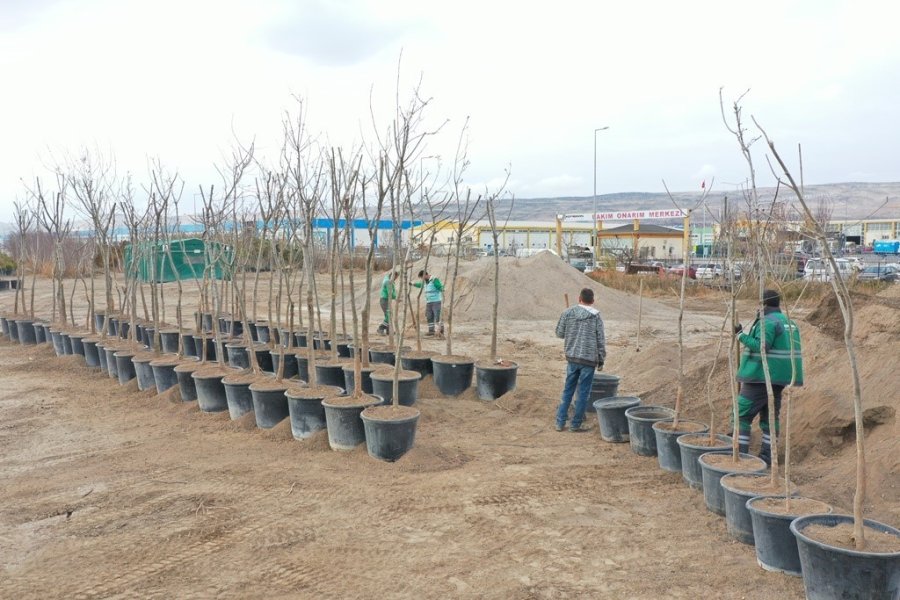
(52, 217)
(686, 262)
(845, 303)
(91, 177)
(464, 206)
(349, 176)
(215, 215)
(166, 189)
(24, 218)
(758, 237)
(135, 223)
(490, 207)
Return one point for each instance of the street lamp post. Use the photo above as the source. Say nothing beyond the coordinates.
(594, 211)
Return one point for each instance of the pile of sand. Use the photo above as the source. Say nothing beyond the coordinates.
(531, 288)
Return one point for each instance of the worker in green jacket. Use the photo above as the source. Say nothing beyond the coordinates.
(782, 344)
(434, 297)
(388, 293)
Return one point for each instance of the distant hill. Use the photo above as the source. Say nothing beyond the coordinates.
(853, 200)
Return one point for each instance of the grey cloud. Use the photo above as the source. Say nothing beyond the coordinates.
(332, 33)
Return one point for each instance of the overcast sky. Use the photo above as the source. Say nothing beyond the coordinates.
(174, 78)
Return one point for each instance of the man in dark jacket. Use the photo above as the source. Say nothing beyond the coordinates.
(783, 356)
(585, 346)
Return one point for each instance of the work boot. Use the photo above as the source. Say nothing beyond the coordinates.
(765, 450)
(429, 333)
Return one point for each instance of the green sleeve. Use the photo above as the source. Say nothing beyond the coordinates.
(417, 284)
(751, 340)
(438, 285)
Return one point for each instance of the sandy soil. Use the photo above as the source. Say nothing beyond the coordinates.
(112, 493)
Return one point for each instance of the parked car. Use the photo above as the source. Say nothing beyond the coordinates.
(679, 270)
(879, 273)
(709, 271)
(819, 269)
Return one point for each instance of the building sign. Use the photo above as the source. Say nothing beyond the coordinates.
(627, 215)
(640, 215)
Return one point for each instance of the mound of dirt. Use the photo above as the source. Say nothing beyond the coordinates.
(531, 288)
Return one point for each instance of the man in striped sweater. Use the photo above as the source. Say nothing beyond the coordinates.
(585, 345)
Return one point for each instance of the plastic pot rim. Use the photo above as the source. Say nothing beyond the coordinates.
(649, 407)
(757, 474)
(752, 508)
(408, 419)
(365, 404)
(717, 469)
(616, 402)
(679, 432)
(697, 447)
(798, 524)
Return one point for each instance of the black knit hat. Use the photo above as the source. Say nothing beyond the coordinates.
(771, 298)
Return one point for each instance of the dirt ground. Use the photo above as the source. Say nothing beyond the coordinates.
(112, 493)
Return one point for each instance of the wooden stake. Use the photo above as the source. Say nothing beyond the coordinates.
(566, 297)
(640, 311)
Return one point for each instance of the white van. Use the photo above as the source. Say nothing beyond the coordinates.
(819, 269)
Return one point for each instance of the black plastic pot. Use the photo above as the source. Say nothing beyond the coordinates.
(122, 329)
(186, 384)
(99, 318)
(320, 343)
(290, 363)
(303, 364)
(343, 350)
(190, 349)
(124, 367)
(737, 518)
(237, 355)
(494, 380)
(57, 341)
(611, 417)
(222, 345)
(149, 334)
(4, 326)
(776, 547)
(453, 377)
(604, 385)
(169, 340)
(91, 353)
(712, 475)
(690, 452)
(263, 357)
(112, 326)
(350, 379)
(144, 372)
(408, 386)
(382, 355)
(238, 396)
(420, 362)
(77, 344)
(25, 330)
(389, 438)
(300, 339)
(164, 374)
(262, 332)
(210, 347)
(12, 329)
(112, 367)
(101, 357)
(306, 410)
(47, 337)
(40, 334)
(269, 404)
(667, 451)
(640, 427)
(67, 343)
(345, 427)
(210, 390)
(330, 374)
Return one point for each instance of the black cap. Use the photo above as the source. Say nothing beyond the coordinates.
(771, 298)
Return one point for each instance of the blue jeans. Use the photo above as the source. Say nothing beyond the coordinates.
(581, 376)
